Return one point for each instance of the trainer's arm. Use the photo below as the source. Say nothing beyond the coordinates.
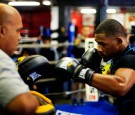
(14, 93)
(23, 104)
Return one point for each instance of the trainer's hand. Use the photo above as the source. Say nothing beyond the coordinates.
(32, 68)
(46, 107)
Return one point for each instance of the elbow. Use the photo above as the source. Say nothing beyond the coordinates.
(120, 90)
(120, 86)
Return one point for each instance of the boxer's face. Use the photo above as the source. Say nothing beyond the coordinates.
(107, 47)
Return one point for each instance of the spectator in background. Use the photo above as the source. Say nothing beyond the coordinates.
(80, 41)
(50, 51)
(47, 52)
(78, 50)
(132, 41)
(62, 38)
(28, 51)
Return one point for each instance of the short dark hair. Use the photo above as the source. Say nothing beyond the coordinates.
(111, 28)
(132, 39)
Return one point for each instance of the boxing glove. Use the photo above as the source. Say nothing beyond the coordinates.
(69, 68)
(32, 68)
(65, 67)
(92, 59)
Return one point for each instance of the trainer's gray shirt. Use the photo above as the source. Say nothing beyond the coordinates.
(11, 84)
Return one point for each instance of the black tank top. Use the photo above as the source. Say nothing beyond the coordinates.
(126, 104)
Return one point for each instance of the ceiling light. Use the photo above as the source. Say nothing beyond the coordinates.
(47, 2)
(24, 3)
(111, 10)
(88, 11)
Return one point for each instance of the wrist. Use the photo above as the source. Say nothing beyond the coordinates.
(89, 76)
(86, 74)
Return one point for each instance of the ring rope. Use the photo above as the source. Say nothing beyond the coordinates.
(66, 92)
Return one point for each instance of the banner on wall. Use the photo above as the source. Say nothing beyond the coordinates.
(91, 92)
(129, 21)
(88, 19)
(118, 16)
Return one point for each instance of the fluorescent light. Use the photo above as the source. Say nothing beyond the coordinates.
(111, 10)
(24, 3)
(88, 11)
(54, 35)
(47, 2)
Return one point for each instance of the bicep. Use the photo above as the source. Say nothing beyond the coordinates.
(127, 75)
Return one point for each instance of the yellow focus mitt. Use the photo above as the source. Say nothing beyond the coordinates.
(46, 107)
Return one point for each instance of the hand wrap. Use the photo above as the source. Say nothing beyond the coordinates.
(83, 73)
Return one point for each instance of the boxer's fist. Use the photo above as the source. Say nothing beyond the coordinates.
(69, 68)
(65, 68)
(92, 59)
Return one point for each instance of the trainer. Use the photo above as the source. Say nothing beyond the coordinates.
(15, 98)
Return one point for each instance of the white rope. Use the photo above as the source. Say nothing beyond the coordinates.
(66, 92)
(45, 45)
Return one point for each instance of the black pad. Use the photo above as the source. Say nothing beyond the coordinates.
(34, 67)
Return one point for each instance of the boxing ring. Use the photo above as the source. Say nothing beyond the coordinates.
(102, 107)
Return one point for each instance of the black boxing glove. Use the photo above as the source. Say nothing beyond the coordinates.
(69, 68)
(32, 68)
(92, 59)
(65, 68)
